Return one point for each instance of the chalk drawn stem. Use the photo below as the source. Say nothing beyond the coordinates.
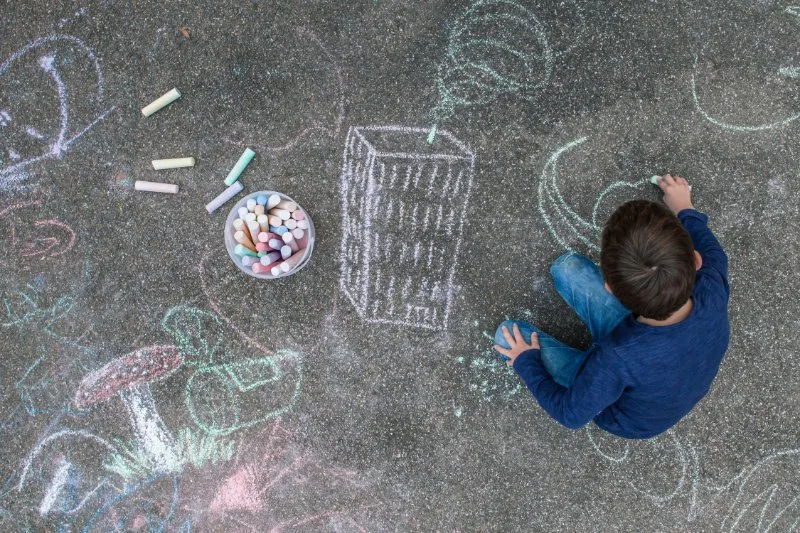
(129, 377)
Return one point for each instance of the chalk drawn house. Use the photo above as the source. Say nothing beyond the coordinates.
(403, 204)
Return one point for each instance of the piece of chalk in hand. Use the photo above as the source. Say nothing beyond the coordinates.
(161, 102)
(654, 181)
(151, 186)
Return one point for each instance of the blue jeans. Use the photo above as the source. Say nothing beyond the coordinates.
(579, 281)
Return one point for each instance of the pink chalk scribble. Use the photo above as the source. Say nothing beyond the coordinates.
(258, 493)
(44, 238)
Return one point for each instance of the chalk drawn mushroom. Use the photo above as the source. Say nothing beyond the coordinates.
(129, 377)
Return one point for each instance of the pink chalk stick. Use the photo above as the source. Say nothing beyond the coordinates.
(258, 268)
(298, 215)
(262, 247)
(288, 238)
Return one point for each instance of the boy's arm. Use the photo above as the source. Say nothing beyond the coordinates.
(705, 242)
(597, 385)
(677, 196)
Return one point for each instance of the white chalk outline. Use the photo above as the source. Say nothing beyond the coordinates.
(61, 145)
(355, 143)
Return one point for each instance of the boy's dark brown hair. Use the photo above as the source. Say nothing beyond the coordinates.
(647, 258)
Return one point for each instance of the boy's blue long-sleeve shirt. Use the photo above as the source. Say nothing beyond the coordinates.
(640, 380)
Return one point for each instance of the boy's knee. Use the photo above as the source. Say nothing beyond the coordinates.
(568, 261)
(498, 335)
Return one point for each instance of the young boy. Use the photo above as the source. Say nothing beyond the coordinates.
(657, 309)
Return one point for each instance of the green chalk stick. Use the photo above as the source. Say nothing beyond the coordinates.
(432, 134)
(241, 250)
(238, 168)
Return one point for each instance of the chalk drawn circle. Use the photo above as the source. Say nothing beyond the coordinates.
(230, 242)
(495, 47)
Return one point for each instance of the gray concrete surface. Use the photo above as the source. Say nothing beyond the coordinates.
(295, 410)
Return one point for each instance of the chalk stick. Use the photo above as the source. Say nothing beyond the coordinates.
(259, 210)
(250, 261)
(160, 102)
(272, 201)
(258, 268)
(268, 236)
(283, 214)
(238, 168)
(251, 204)
(280, 230)
(242, 212)
(290, 263)
(224, 196)
(262, 222)
(276, 244)
(262, 247)
(275, 220)
(654, 181)
(239, 225)
(291, 224)
(298, 234)
(270, 258)
(288, 238)
(151, 186)
(255, 229)
(286, 252)
(178, 162)
(242, 250)
(286, 204)
(244, 239)
(298, 215)
(302, 224)
(261, 199)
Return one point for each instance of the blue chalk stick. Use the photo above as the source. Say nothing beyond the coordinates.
(261, 199)
(280, 230)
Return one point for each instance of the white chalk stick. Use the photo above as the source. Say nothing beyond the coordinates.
(178, 162)
(224, 196)
(151, 186)
(163, 101)
(242, 212)
(283, 214)
(302, 224)
(251, 204)
(654, 181)
(286, 204)
(286, 252)
(273, 201)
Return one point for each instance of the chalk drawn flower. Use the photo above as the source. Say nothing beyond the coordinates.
(227, 393)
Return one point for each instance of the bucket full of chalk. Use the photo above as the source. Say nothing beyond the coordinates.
(268, 235)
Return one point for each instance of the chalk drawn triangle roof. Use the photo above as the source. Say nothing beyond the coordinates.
(411, 143)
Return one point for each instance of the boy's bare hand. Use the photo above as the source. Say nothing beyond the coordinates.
(677, 193)
(517, 343)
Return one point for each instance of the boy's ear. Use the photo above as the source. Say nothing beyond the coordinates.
(605, 284)
(698, 260)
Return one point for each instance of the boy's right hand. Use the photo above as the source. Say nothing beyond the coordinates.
(677, 194)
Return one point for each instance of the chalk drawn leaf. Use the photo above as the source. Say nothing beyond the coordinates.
(199, 334)
(223, 399)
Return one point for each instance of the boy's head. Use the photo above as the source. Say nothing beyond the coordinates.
(648, 259)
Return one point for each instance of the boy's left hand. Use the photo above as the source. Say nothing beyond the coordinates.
(517, 344)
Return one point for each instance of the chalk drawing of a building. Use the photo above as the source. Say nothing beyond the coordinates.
(403, 204)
